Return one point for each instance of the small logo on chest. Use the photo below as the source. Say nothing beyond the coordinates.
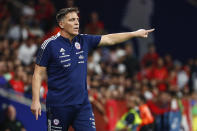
(62, 50)
(77, 46)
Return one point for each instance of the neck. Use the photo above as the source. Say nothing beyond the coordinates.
(66, 35)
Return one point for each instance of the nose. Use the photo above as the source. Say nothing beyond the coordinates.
(76, 22)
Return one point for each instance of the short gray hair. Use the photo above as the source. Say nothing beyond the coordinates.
(63, 12)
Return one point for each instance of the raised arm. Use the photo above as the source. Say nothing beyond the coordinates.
(38, 76)
(112, 39)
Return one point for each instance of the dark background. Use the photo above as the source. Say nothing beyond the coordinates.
(175, 22)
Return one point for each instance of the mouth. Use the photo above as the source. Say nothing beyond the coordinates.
(76, 28)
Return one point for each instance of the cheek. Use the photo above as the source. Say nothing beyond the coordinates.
(68, 27)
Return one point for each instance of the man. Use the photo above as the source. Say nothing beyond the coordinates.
(131, 120)
(11, 123)
(64, 58)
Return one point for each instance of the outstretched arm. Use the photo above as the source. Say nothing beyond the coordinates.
(112, 39)
(39, 71)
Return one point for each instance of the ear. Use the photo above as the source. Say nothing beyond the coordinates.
(61, 24)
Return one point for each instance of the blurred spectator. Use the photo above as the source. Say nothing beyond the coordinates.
(146, 116)
(160, 74)
(44, 12)
(113, 56)
(19, 30)
(14, 32)
(4, 49)
(17, 82)
(146, 72)
(95, 26)
(159, 107)
(111, 110)
(4, 25)
(151, 56)
(3, 81)
(130, 120)
(8, 73)
(172, 81)
(186, 111)
(13, 50)
(168, 62)
(10, 69)
(35, 30)
(28, 10)
(27, 51)
(25, 10)
(70, 3)
(174, 113)
(194, 111)
(4, 12)
(182, 79)
(130, 61)
(192, 83)
(94, 66)
(146, 90)
(11, 123)
(28, 84)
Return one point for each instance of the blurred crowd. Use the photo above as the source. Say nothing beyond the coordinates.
(166, 87)
(158, 93)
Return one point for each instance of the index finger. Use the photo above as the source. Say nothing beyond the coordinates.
(36, 114)
(151, 30)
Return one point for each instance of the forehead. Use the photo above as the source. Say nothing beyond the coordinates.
(71, 15)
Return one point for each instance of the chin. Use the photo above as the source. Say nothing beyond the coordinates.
(75, 33)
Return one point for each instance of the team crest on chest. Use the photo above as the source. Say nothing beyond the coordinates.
(56, 122)
(77, 46)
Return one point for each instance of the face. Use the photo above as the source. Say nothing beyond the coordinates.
(130, 100)
(152, 49)
(129, 49)
(160, 62)
(11, 113)
(70, 24)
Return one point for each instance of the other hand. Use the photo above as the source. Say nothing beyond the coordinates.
(36, 109)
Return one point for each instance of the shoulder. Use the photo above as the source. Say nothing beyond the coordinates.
(89, 36)
(84, 35)
(50, 40)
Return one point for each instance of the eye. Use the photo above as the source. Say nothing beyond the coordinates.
(73, 19)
